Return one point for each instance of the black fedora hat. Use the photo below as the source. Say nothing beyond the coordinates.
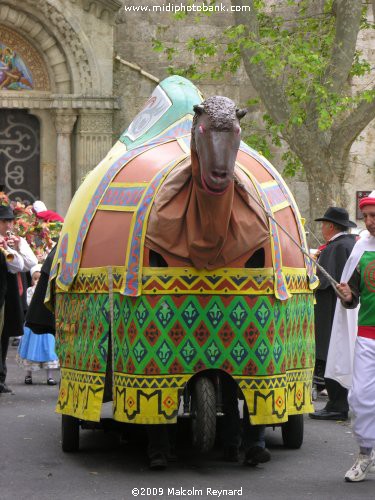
(6, 213)
(337, 215)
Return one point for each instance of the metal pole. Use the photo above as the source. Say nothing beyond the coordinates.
(332, 281)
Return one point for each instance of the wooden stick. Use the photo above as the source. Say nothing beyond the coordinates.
(331, 280)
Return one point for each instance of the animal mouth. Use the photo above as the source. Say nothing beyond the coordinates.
(218, 186)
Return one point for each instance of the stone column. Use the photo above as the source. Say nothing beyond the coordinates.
(64, 122)
(94, 140)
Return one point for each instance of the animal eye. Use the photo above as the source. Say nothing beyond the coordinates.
(201, 129)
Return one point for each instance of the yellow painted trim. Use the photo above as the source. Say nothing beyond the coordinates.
(118, 208)
(280, 206)
(192, 271)
(152, 273)
(183, 145)
(269, 183)
(128, 184)
(96, 271)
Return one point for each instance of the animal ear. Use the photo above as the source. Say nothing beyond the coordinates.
(241, 113)
(198, 108)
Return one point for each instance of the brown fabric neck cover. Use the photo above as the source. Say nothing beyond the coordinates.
(206, 230)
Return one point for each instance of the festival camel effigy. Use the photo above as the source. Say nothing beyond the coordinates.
(166, 268)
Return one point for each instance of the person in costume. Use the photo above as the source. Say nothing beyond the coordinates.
(332, 257)
(38, 317)
(13, 263)
(37, 352)
(358, 286)
(41, 212)
(23, 260)
(252, 438)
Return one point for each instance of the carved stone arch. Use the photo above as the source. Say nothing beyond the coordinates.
(66, 50)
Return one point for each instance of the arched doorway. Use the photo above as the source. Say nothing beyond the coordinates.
(20, 155)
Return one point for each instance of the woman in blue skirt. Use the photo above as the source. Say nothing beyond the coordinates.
(37, 351)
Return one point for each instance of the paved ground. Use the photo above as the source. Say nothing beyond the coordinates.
(108, 468)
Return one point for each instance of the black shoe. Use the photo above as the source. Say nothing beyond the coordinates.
(15, 342)
(257, 455)
(28, 380)
(172, 455)
(329, 415)
(231, 454)
(158, 461)
(51, 381)
(4, 389)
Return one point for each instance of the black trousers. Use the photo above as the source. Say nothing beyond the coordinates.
(161, 439)
(337, 396)
(233, 434)
(4, 344)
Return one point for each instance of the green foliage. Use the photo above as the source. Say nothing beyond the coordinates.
(292, 164)
(294, 46)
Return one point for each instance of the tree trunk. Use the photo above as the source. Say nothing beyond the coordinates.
(326, 188)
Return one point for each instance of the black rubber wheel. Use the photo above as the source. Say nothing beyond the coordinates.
(69, 433)
(292, 432)
(203, 415)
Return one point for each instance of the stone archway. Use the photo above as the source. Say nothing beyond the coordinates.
(46, 28)
(72, 76)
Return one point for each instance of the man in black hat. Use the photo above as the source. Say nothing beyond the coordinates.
(333, 256)
(22, 260)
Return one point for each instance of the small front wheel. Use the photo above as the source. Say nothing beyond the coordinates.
(69, 433)
(203, 414)
(292, 432)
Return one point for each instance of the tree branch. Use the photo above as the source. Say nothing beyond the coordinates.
(300, 138)
(269, 89)
(346, 133)
(348, 19)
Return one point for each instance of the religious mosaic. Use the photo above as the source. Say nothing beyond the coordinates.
(14, 74)
(21, 65)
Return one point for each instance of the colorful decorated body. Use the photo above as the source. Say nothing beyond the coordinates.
(127, 275)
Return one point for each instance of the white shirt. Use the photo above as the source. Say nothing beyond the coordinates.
(337, 235)
(28, 255)
(16, 265)
(24, 259)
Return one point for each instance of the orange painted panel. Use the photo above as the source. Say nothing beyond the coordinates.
(254, 167)
(106, 242)
(146, 165)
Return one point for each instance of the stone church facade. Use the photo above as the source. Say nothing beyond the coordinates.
(73, 74)
(56, 99)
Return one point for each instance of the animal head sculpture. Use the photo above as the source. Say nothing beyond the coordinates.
(215, 138)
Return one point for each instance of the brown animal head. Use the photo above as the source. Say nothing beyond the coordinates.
(215, 139)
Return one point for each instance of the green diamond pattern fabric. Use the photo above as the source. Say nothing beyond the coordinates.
(265, 336)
